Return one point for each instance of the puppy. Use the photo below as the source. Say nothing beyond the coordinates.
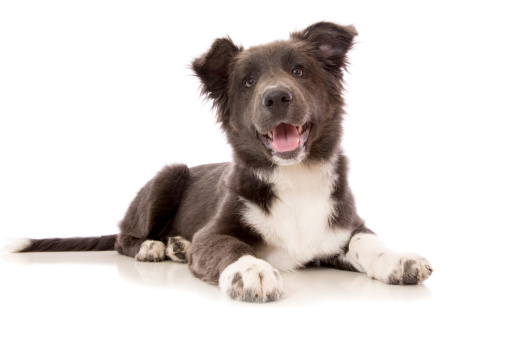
(283, 202)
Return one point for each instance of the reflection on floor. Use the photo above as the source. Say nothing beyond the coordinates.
(308, 285)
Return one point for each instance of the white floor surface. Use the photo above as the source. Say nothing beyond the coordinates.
(103, 294)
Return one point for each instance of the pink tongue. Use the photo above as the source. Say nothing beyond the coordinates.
(285, 137)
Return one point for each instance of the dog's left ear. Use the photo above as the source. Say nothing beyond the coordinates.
(330, 41)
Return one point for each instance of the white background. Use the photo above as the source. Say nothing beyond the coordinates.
(96, 96)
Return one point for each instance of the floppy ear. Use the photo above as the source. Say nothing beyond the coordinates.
(212, 68)
(331, 42)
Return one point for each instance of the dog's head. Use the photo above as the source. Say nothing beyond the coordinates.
(279, 103)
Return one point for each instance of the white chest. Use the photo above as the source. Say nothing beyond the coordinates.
(297, 228)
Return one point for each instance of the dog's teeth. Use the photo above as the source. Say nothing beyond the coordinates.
(270, 135)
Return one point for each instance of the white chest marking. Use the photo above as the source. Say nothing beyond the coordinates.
(297, 228)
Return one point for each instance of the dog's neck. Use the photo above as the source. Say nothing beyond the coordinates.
(300, 174)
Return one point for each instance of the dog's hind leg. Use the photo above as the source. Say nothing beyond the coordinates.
(148, 220)
(143, 250)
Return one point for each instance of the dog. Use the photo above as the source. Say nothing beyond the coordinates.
(283, 203)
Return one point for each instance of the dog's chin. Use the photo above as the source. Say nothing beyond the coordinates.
(293, 157)
(293, 149)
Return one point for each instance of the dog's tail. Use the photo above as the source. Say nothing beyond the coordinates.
(101, 243)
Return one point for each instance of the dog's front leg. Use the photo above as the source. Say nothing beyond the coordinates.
(367, 253)
(230, 263)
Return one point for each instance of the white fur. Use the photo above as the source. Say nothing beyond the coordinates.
(16, 244)
(367, 253)
(151, 251)
(289, 162)
(260, 282)
(297, 228)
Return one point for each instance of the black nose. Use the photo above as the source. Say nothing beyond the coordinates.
(277, 100)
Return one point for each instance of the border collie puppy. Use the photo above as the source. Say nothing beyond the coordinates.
(284, 201)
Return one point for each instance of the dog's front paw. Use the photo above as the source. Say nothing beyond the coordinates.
(409, 269)
(252, 280)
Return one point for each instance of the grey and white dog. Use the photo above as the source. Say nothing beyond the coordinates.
(284, 202)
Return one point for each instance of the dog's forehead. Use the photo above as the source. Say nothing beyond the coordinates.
(271, 54)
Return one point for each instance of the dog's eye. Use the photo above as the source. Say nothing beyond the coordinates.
(249, 82)
(298, 72)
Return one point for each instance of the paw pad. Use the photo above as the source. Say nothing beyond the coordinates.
(177, 249)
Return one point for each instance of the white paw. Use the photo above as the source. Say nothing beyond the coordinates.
(368, 254)
(151, 251)
(177, 249)
(405, 269)
(252, 280)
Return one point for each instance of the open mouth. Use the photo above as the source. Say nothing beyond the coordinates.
(286, 137)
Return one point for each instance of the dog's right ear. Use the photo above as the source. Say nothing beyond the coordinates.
(213, 68)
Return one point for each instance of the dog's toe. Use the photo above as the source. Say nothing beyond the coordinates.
(410, 270)
(252, 280)
(151, 251)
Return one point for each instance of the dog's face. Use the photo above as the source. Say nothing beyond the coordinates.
(279, 103)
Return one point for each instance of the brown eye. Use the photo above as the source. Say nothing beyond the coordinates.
(298, 72)
(249, 82)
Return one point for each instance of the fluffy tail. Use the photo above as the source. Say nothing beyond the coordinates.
(102, 243)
